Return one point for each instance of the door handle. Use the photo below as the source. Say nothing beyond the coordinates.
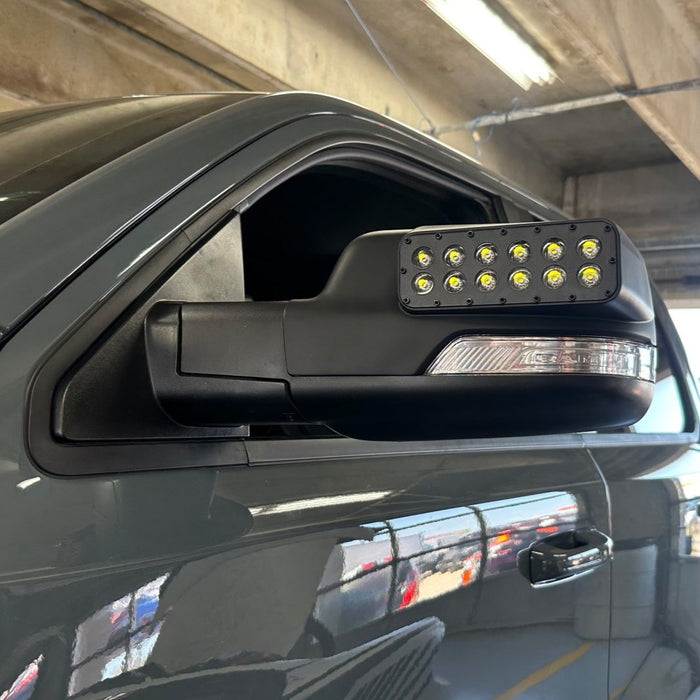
(564, 556)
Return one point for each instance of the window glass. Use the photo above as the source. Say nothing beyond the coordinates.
(687, 323)
(517, 214)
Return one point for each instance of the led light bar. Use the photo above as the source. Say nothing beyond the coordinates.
(455, 268)
(513, 355)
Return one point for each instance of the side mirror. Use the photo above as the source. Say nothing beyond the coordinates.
(438, 332)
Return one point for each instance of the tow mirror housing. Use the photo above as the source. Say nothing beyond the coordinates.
(438, 332)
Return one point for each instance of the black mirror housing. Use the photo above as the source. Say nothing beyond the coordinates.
(365, 359)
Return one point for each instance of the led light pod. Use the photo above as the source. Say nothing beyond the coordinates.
(540, 263)
(589, 248)
(519, 252)
(589, 276)
(554, 250)
(520, 279)
(423, 257)
(554, 277)
(486, 254)
(454, 282)
(486, 281)
(454, 256)
(423, 284)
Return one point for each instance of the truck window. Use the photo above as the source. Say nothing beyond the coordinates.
(293, 235)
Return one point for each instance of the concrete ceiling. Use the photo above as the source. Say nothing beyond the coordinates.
(636, 161)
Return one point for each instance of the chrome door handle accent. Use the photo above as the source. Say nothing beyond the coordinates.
(564, 556)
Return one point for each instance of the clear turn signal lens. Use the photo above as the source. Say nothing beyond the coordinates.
(532, 355)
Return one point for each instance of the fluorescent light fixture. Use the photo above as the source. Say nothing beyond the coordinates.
(23, 485)
(488, 33)
(320, 502)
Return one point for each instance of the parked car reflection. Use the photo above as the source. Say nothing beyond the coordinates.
(25, 684)
(410, 560)
(118, 638)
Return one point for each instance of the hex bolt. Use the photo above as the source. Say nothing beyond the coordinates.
(406, 300)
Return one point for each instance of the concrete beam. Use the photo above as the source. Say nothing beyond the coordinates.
(65, 50)
(58, 51)
(643, 43)
(317, 45)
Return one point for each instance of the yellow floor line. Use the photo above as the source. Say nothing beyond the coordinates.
(619, 692)
(545, 672)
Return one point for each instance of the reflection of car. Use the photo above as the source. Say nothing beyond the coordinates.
(366, 593)
(502, 550)
(212, 391)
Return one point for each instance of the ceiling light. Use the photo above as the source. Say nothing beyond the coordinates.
(320, 502)
(488, 33)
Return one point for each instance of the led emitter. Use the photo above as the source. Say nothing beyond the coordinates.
(454, 256)
(423, 257)
(520, 279)
(589, 248)
(454, 282)
(589, 276)
(486, 254)
(423, 284)
(554, 277)
(486, 281)
(554, 250)
(519, 252)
